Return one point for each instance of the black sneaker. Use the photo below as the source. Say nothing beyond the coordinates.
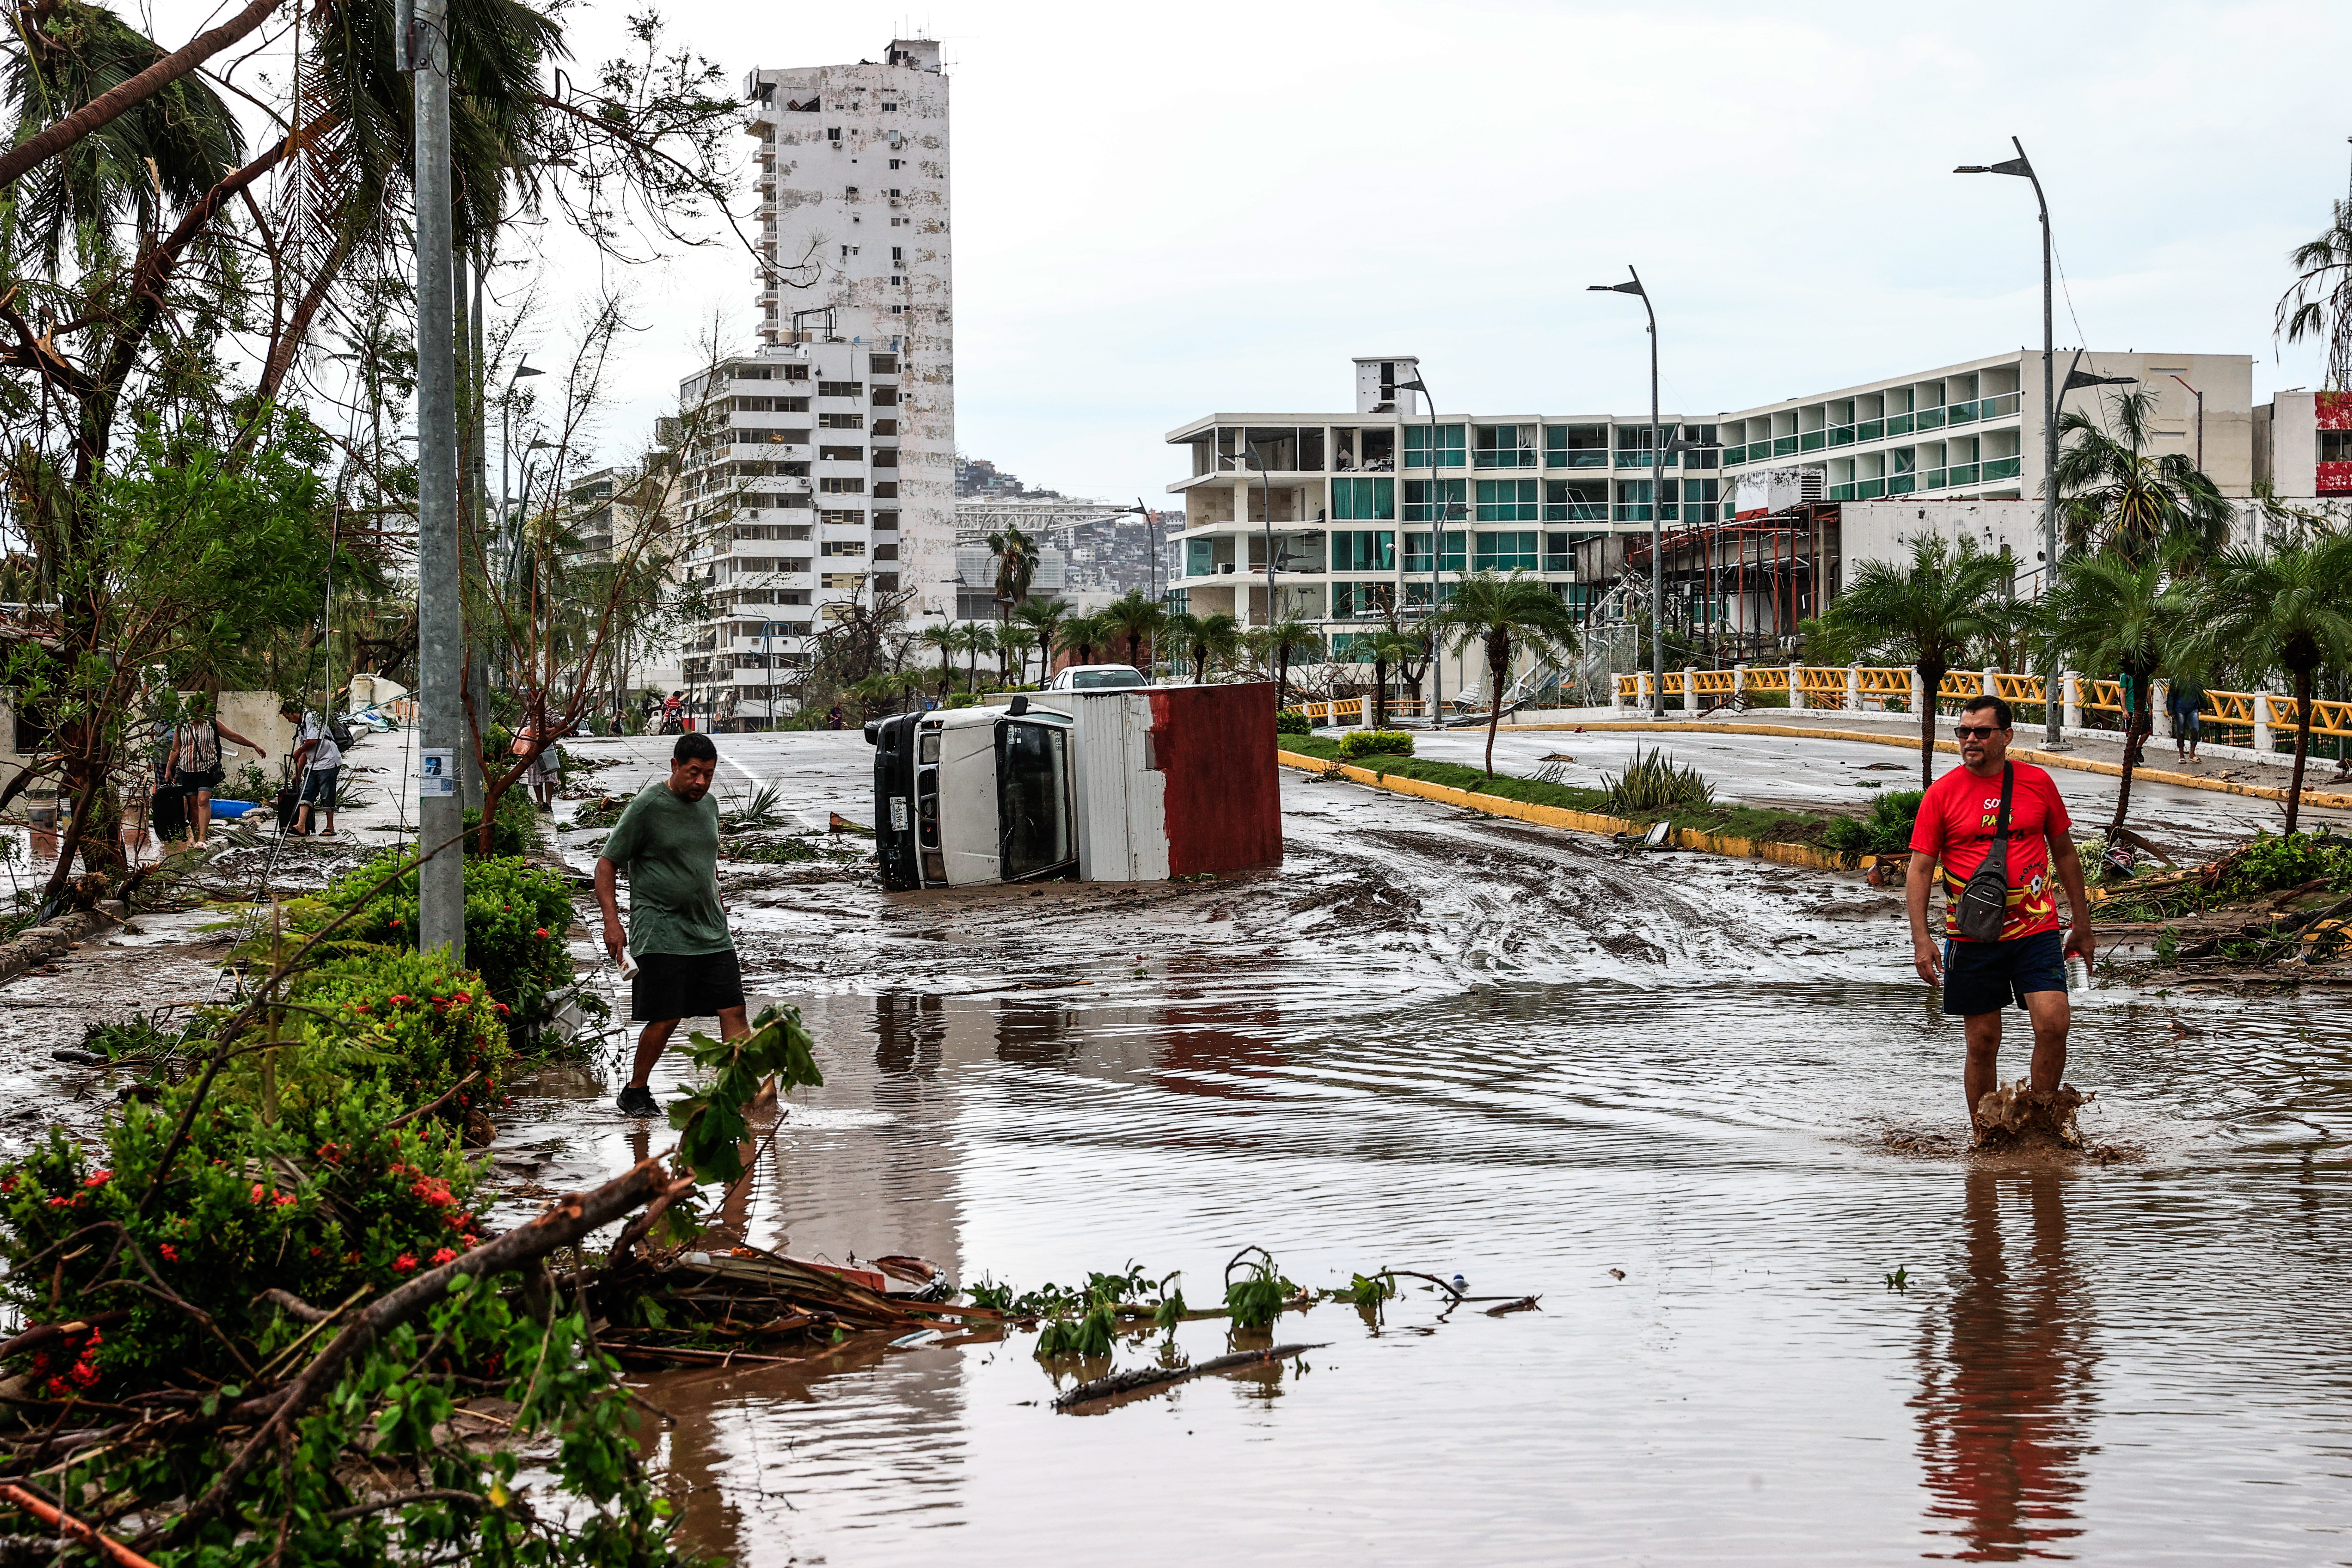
(638, 1100)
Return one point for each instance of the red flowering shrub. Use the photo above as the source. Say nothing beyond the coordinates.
(329, 1199)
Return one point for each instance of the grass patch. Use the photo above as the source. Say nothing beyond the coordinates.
(1767, 823)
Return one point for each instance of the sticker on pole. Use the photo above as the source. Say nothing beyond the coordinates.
(438, 775)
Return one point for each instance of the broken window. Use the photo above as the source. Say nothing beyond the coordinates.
(1633, 500)
(1363, 500)
(884, 364)
(840, 389)
(1435, 446)
(1363, 550)
(807, 106)
(841, 421)
(1575, 446)
(1506, 446)
(1349, 600)
(1576, 501)
(843, 547)
(886, 397)
(841, 487)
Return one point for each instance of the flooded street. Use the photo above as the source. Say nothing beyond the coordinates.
(1654, 1092)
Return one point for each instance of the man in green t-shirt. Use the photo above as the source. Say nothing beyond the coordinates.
(666, 844)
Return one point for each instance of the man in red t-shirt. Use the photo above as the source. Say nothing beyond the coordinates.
(2027, 963)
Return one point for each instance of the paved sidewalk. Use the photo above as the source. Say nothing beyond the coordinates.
(2323, 785)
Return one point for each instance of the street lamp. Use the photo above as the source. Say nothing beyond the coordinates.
(1657, 462)
(1443, 510)
(2021, 167)
(1265, 489)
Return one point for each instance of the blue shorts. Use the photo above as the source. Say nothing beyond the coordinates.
(1986, 977)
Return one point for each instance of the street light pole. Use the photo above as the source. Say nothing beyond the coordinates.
(1657, 503)
(2200, 423)
(440, 612)
(2023, 167)
(1441, 513)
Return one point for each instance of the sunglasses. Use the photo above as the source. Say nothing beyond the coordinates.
(1975, 731)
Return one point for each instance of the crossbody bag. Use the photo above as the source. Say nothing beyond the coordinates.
(1984, 899)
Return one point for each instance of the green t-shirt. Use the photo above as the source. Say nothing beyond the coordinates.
(669, 849)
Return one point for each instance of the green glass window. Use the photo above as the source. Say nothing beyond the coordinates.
(1425, 499)
(1510, 501)
(1506, 446)
(1633, 498)
(1198, 562)
(1416, 552)
(1372, 500)
(1363, 550)
(1514, 551)
(1445, 448)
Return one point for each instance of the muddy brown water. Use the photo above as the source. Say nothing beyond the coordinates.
(1654, 1092)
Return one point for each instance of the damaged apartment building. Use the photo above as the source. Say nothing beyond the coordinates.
(820, 474)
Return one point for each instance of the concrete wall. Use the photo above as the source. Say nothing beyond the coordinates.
(1884, 529)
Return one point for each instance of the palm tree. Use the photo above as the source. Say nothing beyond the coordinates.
(1016, 568)
(1281, 643)
(2111, 612)
(1082, 634)
(1926, 612)
(1392, 647)
(1045, 617)
(1138, 620)
(1216, 636)
(2289, 609)
(2320, 303)
(1507, 613)
(949, 641)
(1013, 642)
(977, 637)
(2111, 492)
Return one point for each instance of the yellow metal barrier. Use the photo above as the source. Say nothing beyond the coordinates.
(2102, 696)
(1714, 682)
(1770, 678)
(1879, 683)
(1818, 680)
(2229, 708)
(1961, 684)
(2327, 718)
(2016, 688)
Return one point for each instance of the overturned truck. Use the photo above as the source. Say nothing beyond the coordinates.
(1102, 786)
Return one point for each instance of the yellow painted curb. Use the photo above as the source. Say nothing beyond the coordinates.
(1911, 743)
(1805, 854)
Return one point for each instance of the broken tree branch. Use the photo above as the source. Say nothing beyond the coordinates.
(119, 100)
(1155, 1376)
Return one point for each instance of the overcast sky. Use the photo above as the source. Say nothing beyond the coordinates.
(1172, 210)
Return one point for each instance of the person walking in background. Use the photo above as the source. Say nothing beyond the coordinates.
(2186, 703)
(319, 763)
(196, 763)
(666, 844)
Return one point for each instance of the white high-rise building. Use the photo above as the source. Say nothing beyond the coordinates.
(837, 474)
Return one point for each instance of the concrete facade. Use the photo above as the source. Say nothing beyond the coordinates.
(1973, 431)
(1357, 499)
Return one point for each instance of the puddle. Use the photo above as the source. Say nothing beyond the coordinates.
(1656, 1092)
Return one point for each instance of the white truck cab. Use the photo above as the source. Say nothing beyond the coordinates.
(1108, 785)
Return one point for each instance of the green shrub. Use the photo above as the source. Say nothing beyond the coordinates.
(1652, 783)
(1388, 742)
(326, 1199)
(414, 1020)
(1886, 830)
(2272, 862)
(960, 700)
(1287, 723)
(516, 917)
(517, 828)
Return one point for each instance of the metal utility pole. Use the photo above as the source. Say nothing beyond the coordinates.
(1441, 513)
(440, 610)
(2200, 423)
(2051, 711)
(1657, 503)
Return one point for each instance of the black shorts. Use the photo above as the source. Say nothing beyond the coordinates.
(207, 779)
(1986, 977)
(684, 985)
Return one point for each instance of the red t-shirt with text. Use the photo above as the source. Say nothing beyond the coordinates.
(1956, 824)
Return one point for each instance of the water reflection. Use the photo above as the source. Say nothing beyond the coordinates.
(2005, 1396)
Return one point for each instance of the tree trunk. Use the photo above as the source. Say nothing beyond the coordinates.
(1200, 664)
(2138, 725)
(1379, 694)
(119, 100)
(1498, 663)
(1932, 677)
(2301, 744)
